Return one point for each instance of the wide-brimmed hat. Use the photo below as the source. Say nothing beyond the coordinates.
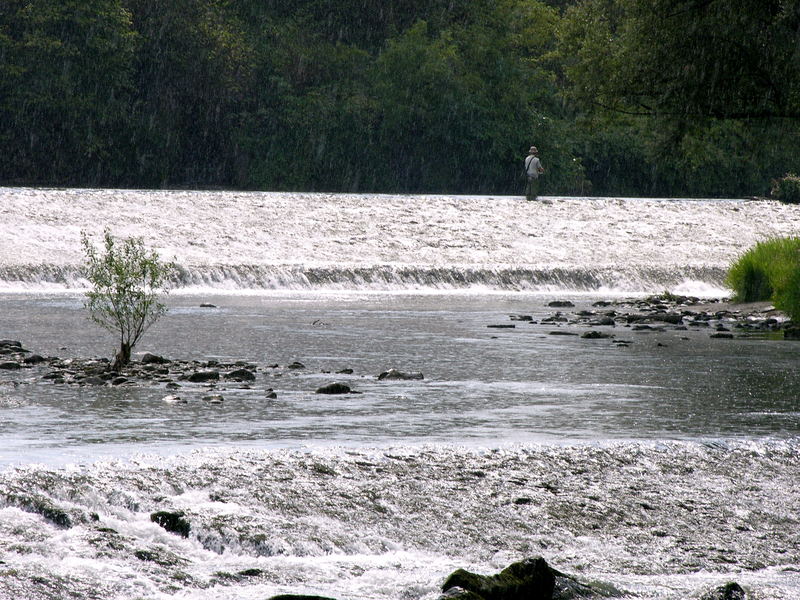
(533, 150)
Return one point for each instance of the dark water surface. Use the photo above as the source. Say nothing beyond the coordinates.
(482, 386)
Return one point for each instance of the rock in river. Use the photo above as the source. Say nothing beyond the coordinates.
(241, 375)
(395, 374)
(174, 522)
(595, 335)
(334, 388)
(530, 579)
(729, 591)
(202, 376)
(152, 359)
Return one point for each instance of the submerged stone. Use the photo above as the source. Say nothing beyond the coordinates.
(172, 399)
(595, 335)
(174, 522)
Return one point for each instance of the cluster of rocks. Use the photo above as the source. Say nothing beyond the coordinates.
(667, 312)
(13, 356)
(150, 368)
(155, 370)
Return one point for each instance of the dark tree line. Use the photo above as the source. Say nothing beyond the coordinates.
(638, 97)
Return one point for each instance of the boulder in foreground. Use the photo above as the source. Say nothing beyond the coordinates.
(530, 579)
(729, 591)
(298, 597)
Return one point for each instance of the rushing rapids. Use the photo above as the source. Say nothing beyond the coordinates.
(658, 520)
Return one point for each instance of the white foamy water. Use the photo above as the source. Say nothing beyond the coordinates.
(665, 521)
(293, 241)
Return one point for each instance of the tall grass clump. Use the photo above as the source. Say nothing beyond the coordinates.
(769, 271)
(788, 298)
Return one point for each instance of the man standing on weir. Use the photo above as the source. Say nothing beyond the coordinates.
(533, 168)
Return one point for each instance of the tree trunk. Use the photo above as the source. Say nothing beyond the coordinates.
(122, 358)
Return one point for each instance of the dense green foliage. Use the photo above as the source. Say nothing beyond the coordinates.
(769, 271)
(126, 284)
(687, 58)
(633, 97)
(788, 299)
(787, 189)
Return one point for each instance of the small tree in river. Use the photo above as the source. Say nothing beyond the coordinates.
(127, 283)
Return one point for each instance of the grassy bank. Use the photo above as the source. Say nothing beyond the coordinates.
(769, 271)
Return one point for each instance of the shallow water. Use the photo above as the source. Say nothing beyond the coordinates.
(482, 385)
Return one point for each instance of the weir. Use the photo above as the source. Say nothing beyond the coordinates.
(635, 279)
(291, 241)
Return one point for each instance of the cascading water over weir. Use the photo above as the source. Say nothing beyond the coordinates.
(232, 241)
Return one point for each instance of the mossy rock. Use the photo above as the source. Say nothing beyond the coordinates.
(530, 579)
(42, 506)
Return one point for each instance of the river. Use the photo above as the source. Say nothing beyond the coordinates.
(664, 462)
